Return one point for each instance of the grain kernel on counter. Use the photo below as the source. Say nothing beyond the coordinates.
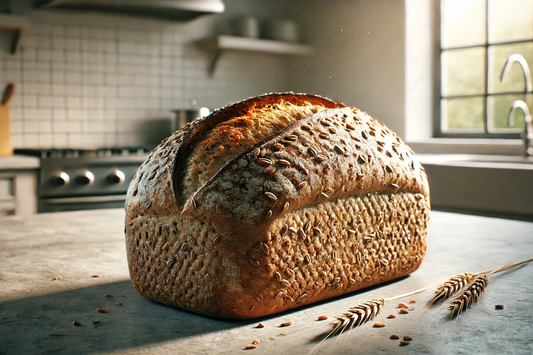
(255, 342)
(404, 343)
(100, 310)
(108, 295)
(260, 325)
(404, 311)
(118, 304)
(285, 324)
(379, 325)
(394, 336)
(402, 305)
(408, 338)
(57, 278)
(96, 321)
(391, 316)
(76, 323)
(251, 346)
(499, 306)
(322, 317)
(412, 301)
(96, 275)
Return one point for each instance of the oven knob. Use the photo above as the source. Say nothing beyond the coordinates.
(117, 177)
(86, 178)
(60, 179)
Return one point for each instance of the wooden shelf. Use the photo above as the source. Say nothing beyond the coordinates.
(223, 42)
(16, 25)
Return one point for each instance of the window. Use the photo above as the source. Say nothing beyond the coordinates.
(477, 38)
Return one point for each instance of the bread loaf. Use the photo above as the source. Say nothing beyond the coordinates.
(273, 203)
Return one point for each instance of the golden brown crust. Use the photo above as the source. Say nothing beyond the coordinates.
(349, 209)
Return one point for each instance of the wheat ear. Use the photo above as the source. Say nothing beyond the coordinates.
(473, 291)
(362, 313)
(457, 283)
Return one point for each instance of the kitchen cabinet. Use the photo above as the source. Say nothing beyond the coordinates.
(18, 185)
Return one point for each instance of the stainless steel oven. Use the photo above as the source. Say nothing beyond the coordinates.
(85, 179)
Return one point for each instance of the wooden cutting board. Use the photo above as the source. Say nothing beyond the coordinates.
(6, 147)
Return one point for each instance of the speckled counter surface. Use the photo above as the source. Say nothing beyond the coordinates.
(36, 311)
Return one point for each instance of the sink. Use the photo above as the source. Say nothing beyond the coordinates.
(483, 184)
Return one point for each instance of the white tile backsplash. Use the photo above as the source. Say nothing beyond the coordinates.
(88, 81)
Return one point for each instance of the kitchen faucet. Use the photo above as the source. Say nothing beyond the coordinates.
(518, 58)
(527, 135)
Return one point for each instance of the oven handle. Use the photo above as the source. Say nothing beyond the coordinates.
(88, 199)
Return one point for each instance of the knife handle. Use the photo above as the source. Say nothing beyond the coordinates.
(8, 93)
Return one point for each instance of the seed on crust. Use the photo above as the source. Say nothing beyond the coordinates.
(285, 324)
(264, 161)
(301, 298)
(253, 262)
(325, 123)
(312, 151)
(256, 153)
(269, 214)
(322, 194)
(278, 276)
(394, 336)
(293, 230)
(350, 127)
(338, 149)
(302, 184)
(364, 134)
(389, 169)
(278, 146)
(259, 297)
(278, 295)
(194, 204)
(322, 317)
(362, 159)
(284, 162)
(271, 196)
(270, 170)
(285, 282)
(394, 186)
(244, 181)
(323, 135)
(285, 207)
(306, 127)
(263, 152)
(317, 230)
(379, 325)
(220, 209)
(291, 137)
(332, 130)
(320, 158)
(216, 240)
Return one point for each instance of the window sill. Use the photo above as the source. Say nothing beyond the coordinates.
(466, 146)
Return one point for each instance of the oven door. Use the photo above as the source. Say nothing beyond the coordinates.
(81, 203)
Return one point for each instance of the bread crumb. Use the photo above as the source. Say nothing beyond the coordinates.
(260, 325)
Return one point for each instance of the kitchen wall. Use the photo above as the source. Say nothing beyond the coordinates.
(88, 80)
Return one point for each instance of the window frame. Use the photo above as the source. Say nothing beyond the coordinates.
(438, 120)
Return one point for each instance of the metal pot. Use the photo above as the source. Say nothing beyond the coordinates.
(185, 116)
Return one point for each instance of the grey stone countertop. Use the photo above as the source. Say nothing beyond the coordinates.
(18, 162)
(37, 312)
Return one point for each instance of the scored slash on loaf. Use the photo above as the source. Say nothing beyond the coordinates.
(274, 202)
